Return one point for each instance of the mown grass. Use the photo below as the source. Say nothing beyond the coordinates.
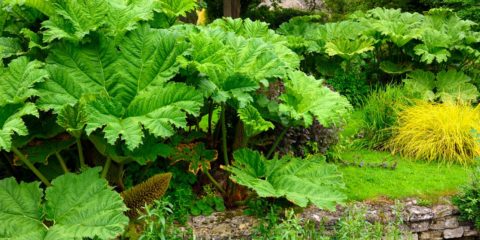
(410, 178)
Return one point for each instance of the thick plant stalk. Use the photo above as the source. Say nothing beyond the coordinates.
(62, 162)
(108, 162)
(31, 166)
(241, 138)
(215, 183)
(80, 154)
(277, 141)
(224, 137)
(210, 115)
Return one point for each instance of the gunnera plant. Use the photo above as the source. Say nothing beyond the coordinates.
(145, 193)
(438, 132)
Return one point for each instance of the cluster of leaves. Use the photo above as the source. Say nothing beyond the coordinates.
(316, 139)
(339, 9)
(209, 203)
(466, 9)
(386, 39)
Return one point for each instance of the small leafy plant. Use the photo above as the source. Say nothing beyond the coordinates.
(468, 201)
(354, 225)
(286, 227)
(158, 223)
(207, 204)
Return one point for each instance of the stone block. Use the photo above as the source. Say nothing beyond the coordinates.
(430, 235)
(453, 233)
(451, 222)
(469, 232)
(442, 210)
(418, 213)
(419, 226)
(438, 224)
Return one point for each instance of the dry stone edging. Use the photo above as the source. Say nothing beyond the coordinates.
(440, 221)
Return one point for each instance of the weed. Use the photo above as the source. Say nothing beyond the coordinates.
(158, 223)
(468, 201)
(290, 227)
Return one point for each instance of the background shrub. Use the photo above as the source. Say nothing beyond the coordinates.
(468, 201)
(340, 8)
(466, 9)
(437, 132)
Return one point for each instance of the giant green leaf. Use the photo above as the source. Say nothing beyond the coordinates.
(77, 206)
(348, 48)
(84, 206)
(157, 113)
(125, 15)
(148, 59)
(21, 210)
(447, 86)
(175, 7)
(9, 47)
(301, 181)
(11, 122)
(76, 71)
(303, 35)
(73, 19)
(305, 99)
(46, 7)
(421, 83)
(18, 80)
(453, 86)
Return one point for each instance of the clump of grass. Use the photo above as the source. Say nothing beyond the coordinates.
(379, 114)
(437, 132)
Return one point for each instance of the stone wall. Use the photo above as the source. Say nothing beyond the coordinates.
(440, 221)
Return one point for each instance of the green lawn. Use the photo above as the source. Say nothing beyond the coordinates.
(410, 178)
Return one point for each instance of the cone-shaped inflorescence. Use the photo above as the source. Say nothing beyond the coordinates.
(145, 193)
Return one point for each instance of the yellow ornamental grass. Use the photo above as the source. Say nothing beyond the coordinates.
(202, 16)
(438, 132)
